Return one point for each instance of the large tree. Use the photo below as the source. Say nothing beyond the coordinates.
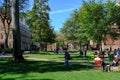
(93, 21)
(96, 20)
(38, 20)
(72, 30)
(17, 55)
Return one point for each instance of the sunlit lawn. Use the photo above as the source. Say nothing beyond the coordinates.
(42, 70)
(47, 70)
(53, 56)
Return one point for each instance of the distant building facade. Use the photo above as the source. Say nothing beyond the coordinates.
(109, 43)
(113, 44)
(24, 32)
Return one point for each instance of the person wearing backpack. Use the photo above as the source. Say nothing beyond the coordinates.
(67, 58)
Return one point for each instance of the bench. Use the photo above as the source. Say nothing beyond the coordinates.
(115, 68)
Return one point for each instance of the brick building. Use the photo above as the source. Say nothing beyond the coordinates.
(113, 44)
(24, 32)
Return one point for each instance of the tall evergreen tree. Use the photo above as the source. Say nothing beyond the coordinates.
(38, 20)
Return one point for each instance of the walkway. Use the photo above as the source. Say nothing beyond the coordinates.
(81, 63)
(38, 59)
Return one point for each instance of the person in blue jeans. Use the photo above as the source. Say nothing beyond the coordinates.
(67, 57)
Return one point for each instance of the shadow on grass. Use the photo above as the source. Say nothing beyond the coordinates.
(45, 79)
(36, 66)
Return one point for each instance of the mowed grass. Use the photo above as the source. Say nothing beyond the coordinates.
(48, 70)
(75, 56)
(45, 70)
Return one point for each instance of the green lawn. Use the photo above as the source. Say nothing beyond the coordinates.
(43, 70)
(52, 56)
(47, 70)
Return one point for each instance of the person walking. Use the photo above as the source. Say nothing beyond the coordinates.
(67, 57)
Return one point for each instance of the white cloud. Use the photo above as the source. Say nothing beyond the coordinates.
(62, 11)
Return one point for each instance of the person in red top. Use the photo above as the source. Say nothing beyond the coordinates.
(98, 61)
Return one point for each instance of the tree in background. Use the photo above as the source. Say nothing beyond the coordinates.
(68, 30)
(60, 39)
(93, 21)
(78, 32)
(96, 20)
(72, 30)
(38, 20)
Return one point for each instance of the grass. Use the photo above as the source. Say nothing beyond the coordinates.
(75, 57)
(46, 70)
(52, 56)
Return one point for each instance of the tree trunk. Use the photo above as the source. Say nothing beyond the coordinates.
(73, 45)
(45, 46)
(87, 46)
(17, 54)
(101, 46)
(5, 46)
(7, 34)
(6, 41)
(80, 45)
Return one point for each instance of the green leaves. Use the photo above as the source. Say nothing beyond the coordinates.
(93, 21)
(38, 20)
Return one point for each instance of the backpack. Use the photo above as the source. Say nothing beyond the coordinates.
(68, 56)
(107, 68)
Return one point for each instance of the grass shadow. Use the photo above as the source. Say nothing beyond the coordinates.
(36, 66)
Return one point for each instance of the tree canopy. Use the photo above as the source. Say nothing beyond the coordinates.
(39, 23)
(93, 21)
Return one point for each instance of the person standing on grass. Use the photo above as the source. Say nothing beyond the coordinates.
(67, 57)
(115, 51)
(118, 53)
(81, 53)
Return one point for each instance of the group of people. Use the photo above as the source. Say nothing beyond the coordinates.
(67, 56)
(98, 57)
(113, 63)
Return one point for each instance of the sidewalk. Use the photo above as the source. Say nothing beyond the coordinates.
(62, 61)
(5, 55)
(38, 59)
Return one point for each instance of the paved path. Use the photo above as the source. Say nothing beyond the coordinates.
(81, 63)
(38, 59)
(6, 55)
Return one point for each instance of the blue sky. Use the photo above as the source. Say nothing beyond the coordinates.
(61, 10)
